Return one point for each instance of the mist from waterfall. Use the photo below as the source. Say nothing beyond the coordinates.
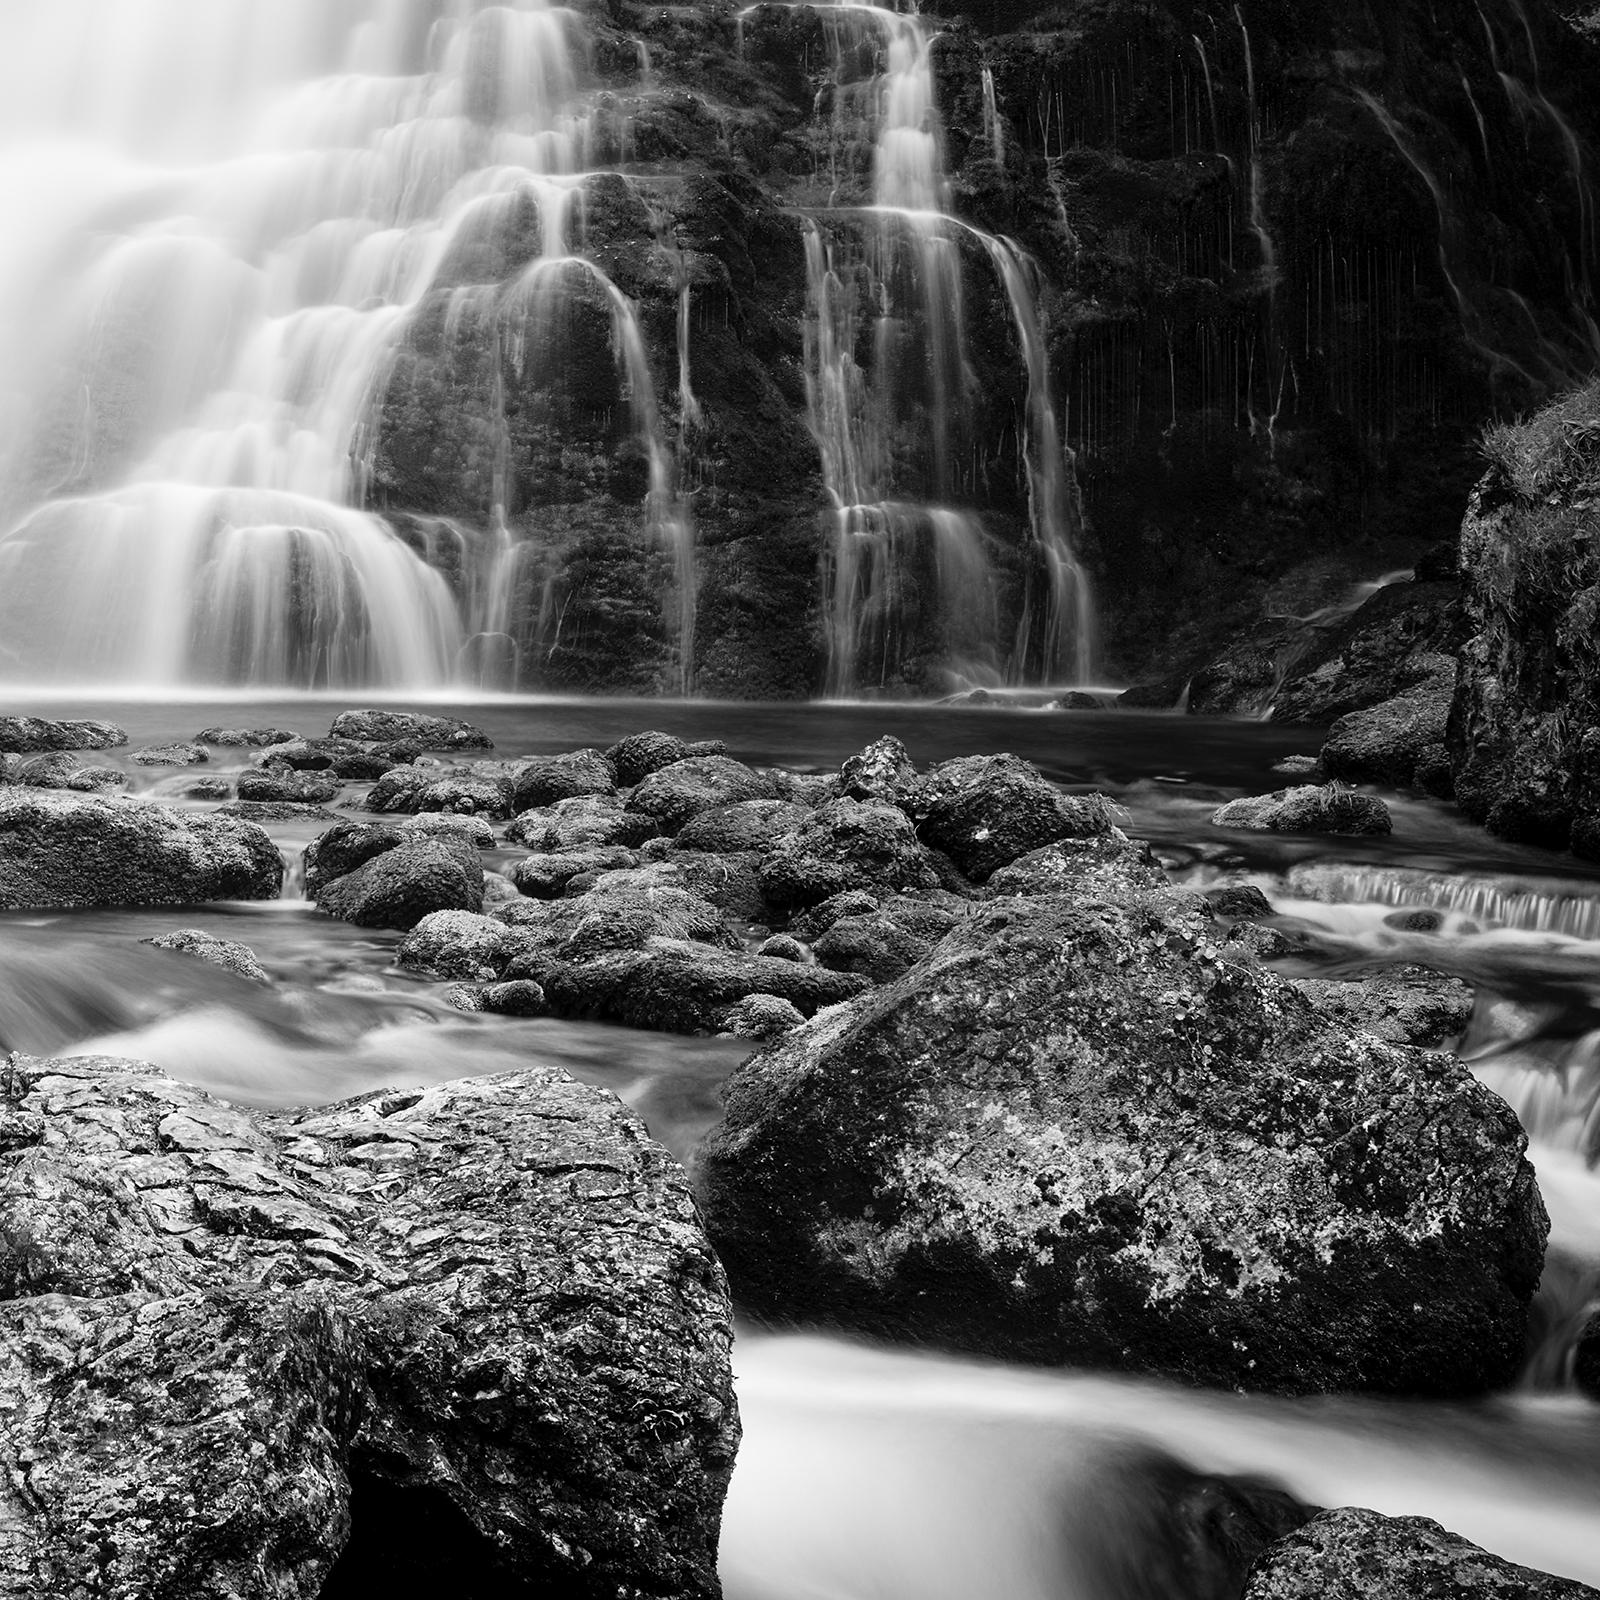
(224, 218)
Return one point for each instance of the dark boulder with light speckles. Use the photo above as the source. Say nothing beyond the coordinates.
(1080, 1133)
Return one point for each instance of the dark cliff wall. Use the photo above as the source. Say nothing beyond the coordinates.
(1290, 256)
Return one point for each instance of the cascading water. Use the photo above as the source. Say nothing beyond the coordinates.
(893, 429)
(225, 217)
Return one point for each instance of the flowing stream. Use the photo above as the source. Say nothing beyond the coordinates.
(880, 1474)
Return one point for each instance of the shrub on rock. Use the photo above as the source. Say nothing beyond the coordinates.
(1353, 1554)
(1081, 1134)
(1311, 808)
(842, 846)
(63, 850)
(985, 811)
(673, 794)
(482, 1314)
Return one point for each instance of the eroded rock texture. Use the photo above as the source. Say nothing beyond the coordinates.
(1351, 1554)
(482, 1317)
(1080, 1133)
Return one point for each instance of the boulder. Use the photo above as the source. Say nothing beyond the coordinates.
(1353, 1554)
(196, 789)
(845, 845)
(399, 886)
(63, 850)
(544, 877)
(1586, 1358)
(345, 757)
(97, 780)
(874, 945)
(551, 778)
(239, 959)
(245, 738)
(409, 727)
(28, 735)
(1310, 808)
(456, 824)
(731, 882)
(342, 849)
(882, 771)
(581, 822)
(299, 788)
(680, 986)
(750, 825)
(621, 910)
(170, 755)
(56, 769)
(673, 794)
(815, 920)
(1104, 866)
(1407, 1004)
(473, 1334)
(761, 1016)
(785, 947)
(1082, 1134)
(1385, 742)
(636, 757)
(458, 944)
(985, 811)
(481, 789)
(274, 810)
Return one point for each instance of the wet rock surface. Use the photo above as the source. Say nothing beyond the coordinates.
(1309, 808)
(229, 954)
(481, 1317)
(1353, 1554)
(29, 735)
(61, 850)
(381, 878)
(1084, 1134)
(431, 733)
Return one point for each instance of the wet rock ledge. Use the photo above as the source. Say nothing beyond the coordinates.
(472, 1335)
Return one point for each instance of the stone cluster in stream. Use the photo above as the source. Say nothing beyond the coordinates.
(1046, 1107)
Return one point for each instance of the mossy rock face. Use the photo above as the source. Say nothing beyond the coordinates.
(1524, 733)
(1083, 1134)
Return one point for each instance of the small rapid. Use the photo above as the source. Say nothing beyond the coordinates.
(871, 1473)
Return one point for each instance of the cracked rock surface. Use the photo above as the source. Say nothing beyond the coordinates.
(487, 1307)
(1086, 1133)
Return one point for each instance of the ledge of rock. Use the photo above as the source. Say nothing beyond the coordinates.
(1080, 1133)
(485, 1310)
(1352, 1554)
(65, 850)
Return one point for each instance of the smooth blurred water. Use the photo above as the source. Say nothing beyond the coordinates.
(886, 1475)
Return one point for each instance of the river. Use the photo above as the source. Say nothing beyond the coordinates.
(877, 1474)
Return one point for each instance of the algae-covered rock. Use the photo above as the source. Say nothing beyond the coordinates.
(63, 850)
(672, 794)
(397, 886)
(842, 846)
(229, 954)
(985, 811)
(1309, 808)
(1082, 1133)
(431, 733)
(1354, 1554)
(30, 735)
(474, 1329)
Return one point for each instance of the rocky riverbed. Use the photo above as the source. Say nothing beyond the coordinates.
(1016, 1090)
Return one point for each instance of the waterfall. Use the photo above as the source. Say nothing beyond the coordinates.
(909, 575)
(225, 218)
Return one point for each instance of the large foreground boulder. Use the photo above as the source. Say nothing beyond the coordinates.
(1352, 1554)
(1082, 1133)
(64, 850)
(473, 1334)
